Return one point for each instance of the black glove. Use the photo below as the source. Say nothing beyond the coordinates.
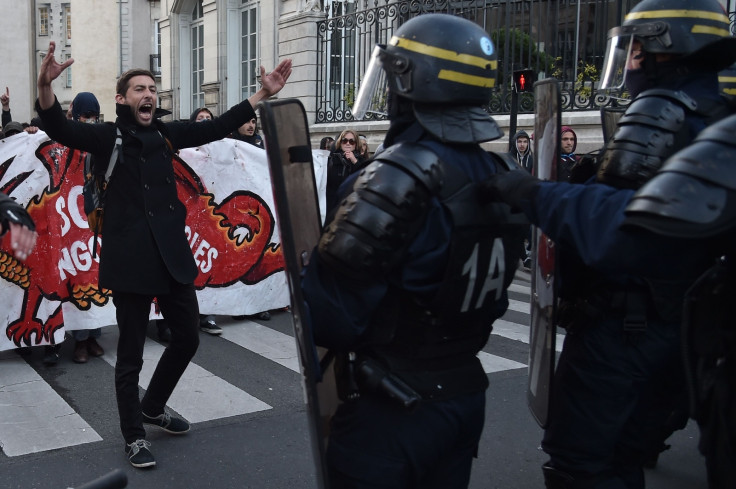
(11, 211)
(512, 187)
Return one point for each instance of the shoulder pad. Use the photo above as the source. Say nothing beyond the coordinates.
(658, 108)
(694, 195)
(652, 129)
(676, 95)
(383, 213)
(417, 160)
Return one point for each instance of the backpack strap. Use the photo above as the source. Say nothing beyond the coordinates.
(103, 184)
(114, 156)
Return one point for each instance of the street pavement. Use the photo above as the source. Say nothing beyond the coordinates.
(244, 397)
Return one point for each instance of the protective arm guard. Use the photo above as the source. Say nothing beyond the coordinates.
(384, 212)
(652, 129)
(694, 195)
(11, 211)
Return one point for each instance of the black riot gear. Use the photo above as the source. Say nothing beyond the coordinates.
(652, 129)
(375, 222)
(441, 59)
(695, 192)
(694, 32)
(446, 67)
(698, 29)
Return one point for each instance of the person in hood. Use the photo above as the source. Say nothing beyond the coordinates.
(522, 151)
(247, 133)
(86, 108)
(568, 158)
(201, 114)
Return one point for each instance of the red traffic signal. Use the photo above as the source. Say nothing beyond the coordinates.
(524, 80)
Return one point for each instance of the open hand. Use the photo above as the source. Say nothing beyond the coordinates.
(50, 68)
(273, 82)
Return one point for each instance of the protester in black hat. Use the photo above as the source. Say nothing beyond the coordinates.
(86, 108)
(12, 128)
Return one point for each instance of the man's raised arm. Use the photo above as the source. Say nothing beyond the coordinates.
(271, 83)
(50, 70)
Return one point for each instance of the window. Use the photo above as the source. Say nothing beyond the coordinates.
(43, 21)
(197, 55)
(249, 65)
(68, 72)
(156, 56)
(68, 23)
(341, 52)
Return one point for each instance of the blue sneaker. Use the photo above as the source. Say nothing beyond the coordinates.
(168, 423)
(139, 454)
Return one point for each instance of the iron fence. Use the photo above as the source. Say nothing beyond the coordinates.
(565, 39)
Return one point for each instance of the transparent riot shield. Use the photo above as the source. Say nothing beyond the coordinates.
(297, 206)
(542, 332)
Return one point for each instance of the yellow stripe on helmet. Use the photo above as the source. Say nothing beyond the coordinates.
(704, 29)
(436, 52)
(465, 79)
(694, 14)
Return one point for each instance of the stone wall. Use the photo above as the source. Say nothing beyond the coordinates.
(587, 126)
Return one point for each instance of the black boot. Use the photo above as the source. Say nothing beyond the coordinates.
(556, 479)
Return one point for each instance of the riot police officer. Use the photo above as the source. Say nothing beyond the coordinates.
(413, 269)
(621, 298)
(693, 200)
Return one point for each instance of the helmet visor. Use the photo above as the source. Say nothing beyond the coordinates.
(373, 91)
(618, 59)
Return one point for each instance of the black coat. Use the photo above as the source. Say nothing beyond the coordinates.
(143, 230)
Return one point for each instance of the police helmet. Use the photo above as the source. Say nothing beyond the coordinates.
(727, 83)
(440, 58)
(436, 61)
(695, 30)
(677, 26)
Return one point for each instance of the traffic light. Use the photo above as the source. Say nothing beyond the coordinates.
(524, 80)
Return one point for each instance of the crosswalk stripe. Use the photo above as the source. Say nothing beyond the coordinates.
(269, 343)
(33, 417)
(494, 363)
(512, 331)
(41, 420)
(522, 289)
(518, 306)
(200, 395)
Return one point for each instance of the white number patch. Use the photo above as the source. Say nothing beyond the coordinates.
(493, 277)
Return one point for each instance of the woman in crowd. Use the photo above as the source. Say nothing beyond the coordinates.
(344, 160)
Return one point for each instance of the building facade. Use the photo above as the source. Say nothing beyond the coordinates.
(207, 53)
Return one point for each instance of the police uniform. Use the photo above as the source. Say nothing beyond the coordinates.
(413, 268)
(620, 371)
(693, 200)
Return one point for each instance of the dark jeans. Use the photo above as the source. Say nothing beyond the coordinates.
(374, 444)
(181, 311)
(608, 401)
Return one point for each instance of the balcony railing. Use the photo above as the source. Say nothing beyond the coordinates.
(565, 39)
